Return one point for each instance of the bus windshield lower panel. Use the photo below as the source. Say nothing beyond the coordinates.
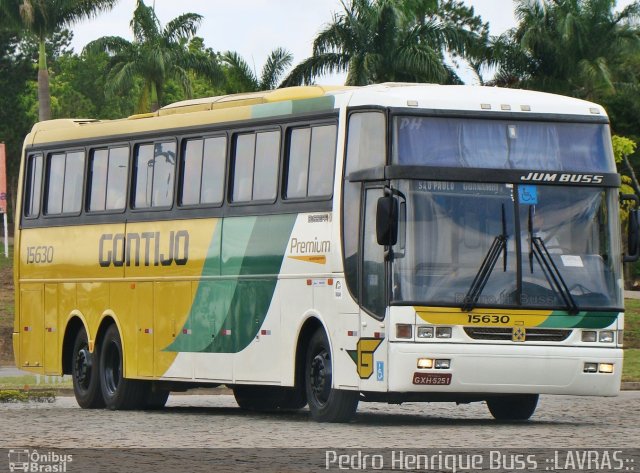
(502, 245)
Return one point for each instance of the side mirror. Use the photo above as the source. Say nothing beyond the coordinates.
(633, 231)
(387, 221)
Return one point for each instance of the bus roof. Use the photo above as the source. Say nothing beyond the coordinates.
(238, 107)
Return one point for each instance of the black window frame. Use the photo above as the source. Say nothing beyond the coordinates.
(290, 128)
(181, 159)
(232, 147)
(27, 198)
(133, 174)
(44, 211)
(88, 180)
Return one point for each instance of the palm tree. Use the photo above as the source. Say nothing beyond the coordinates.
(43, 18)
(384, 40)
(155, 55)
(573, 47)
(241, 78)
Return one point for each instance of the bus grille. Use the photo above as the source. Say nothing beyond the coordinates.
(533, 334)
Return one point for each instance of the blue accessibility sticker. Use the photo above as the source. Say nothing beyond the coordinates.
(528, 195)
(380, 370)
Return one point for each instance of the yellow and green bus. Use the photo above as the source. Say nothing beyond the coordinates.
(326, 246)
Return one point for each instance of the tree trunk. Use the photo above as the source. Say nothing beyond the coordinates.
(44, 97)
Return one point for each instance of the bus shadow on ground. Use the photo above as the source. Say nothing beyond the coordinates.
(372, 419)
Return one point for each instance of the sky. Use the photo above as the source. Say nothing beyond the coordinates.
(253, 28)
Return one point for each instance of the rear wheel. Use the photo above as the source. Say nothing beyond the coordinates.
(119, 392)
(325, 403)
(85, 373)
(515, 407)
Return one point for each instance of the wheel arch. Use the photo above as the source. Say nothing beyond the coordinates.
(310, 325)
(75, 323)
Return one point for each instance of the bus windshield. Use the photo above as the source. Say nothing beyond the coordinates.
(502, 144)
(467, 245)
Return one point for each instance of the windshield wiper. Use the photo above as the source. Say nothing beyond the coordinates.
(498, 246)
(553, 275)
(551, 272)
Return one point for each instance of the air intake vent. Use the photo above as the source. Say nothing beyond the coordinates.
(506, 334)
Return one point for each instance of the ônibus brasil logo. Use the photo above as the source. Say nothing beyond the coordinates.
(33, 461)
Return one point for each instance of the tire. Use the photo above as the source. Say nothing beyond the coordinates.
(119, 392)
(268, 398)
(85, 371)
(155, 398)
(325, 403)
(517, 407)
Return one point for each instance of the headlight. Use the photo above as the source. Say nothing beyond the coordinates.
(425, 332)
(443, 332)
(589, 336)
(606, 336)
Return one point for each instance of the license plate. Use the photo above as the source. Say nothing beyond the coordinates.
(432, 379)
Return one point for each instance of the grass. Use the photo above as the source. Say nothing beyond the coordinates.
(27, 382)
(631, 370)
(6, 288)
(13, 395)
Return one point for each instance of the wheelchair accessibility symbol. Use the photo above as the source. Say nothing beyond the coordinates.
(528, 195)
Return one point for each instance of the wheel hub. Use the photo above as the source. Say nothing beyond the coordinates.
(83, 366)
(321, 376)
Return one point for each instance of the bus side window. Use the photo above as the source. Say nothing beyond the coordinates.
(64, 178)
(311, 162)
(202, 171)
(155, 170)
(33, 186)
(108, 179)
(255, 166)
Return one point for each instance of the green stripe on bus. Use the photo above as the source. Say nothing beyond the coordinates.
(227, 313)
(596, 320)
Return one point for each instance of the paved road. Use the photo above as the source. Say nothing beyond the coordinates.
(215, 421)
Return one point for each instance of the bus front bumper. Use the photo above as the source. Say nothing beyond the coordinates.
(504, 369)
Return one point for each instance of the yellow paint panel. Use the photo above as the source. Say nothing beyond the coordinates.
(31, 327)
(168, 248)
(482, 317)
(144, 328)
(172, 302)
(52, 356)
(66, 253)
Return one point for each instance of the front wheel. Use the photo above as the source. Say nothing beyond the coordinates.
(85, 373)
(517, 407)
(119, 392)
(326, 404)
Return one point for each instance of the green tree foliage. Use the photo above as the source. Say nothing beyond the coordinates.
(155, 56)
(389, 40)
(14, 120)
(570, 47)
(241, 78)
(42, 19)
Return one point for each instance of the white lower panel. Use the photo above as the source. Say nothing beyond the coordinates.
(507, 369)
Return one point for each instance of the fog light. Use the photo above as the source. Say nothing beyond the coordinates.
(443, 364)
(404, 331)
(606, 336)
(591, 367)
(425, 332)
(443, 332)
(606, 368)
(589, 336)
(425, 363)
